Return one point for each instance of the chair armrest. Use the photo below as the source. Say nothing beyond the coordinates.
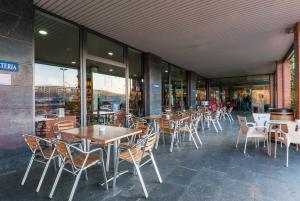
(251, 124)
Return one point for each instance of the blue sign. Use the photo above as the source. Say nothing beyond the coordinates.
(9, 66)
(155, 85)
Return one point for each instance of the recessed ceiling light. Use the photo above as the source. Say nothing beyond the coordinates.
(110, 53)
(166, 71)
(43, 32)
(110, 70)
(73, 62)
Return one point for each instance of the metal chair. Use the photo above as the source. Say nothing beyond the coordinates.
(79, 161)
(139, 151)
(168, 127)
(42, 152)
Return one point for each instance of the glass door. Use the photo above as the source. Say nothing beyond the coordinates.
(105, 92)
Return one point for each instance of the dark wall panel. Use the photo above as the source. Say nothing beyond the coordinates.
(192, 81)
(152, 77)
(16, 100)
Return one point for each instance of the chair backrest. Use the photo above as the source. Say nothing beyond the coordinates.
(37, 144)
(62, 150)
(32, 142)
(164, 124)
(292, 125)
(243, 123)
(64, 125)
(261, 118)
(150, 142)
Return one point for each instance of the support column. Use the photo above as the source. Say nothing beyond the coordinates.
(192, 81)
(207, 89)
(297, 70)
(279, 101)
(272, 90)
(286, 84)
(152, 80)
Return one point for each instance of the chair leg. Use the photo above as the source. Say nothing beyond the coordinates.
(194, 140)
(56, 180)
(141, 179)
(275, 149)
(86, 175)
(287, 156)
(172, 142)
(155, 167)
(215, 127)
(237, 141)
(219, 125)
(245, 145)
(44, 173)
(108, 157)
(104, 173)
(157, 140)
(27, 170)
(198, 137)
(75, 185)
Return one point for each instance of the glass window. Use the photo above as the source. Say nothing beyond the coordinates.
(248, 93)
(105, 91)
(136, 83)
(200, 90)
(57, 73)
(104, 48)
(165, 85)
(178, 88)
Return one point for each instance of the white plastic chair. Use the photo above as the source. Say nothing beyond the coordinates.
(250, 132)
(292, 136)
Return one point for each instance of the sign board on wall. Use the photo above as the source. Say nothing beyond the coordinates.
(155, 85)
(9, 66)
(5, 79)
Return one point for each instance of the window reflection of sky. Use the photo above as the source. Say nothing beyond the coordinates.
(47, 75)
(109, 83)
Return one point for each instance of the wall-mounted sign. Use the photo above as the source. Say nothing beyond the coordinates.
(9, 66)
(156, 85)
(5, 79)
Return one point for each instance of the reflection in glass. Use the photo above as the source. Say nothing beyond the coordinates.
(105, 91)
(57, 74)
(104, 48)
(165, 85)
(136, 83)
(251, 93)
(178, 99)
(200, 90)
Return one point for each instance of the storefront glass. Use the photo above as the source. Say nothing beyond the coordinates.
(165, 85)
(105, 91)
(178, 88)
(136, 82)
(251, 93)
(57, 72)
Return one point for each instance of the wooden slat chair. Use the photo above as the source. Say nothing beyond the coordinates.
(78, 161)
(65, 125)
(168, 127)
(42, 152)
(190, 126)
(139, 151)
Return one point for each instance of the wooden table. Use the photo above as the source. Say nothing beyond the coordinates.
(111, 134)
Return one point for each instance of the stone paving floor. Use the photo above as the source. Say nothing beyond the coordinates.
(216, 171)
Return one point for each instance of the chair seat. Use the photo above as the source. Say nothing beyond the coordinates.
(136, 153)
(78, 160)
(168, 131)
(47, 152)
(185, 129)
(127, 144)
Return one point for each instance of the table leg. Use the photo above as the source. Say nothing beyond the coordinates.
(269, 138)
(116, 162)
